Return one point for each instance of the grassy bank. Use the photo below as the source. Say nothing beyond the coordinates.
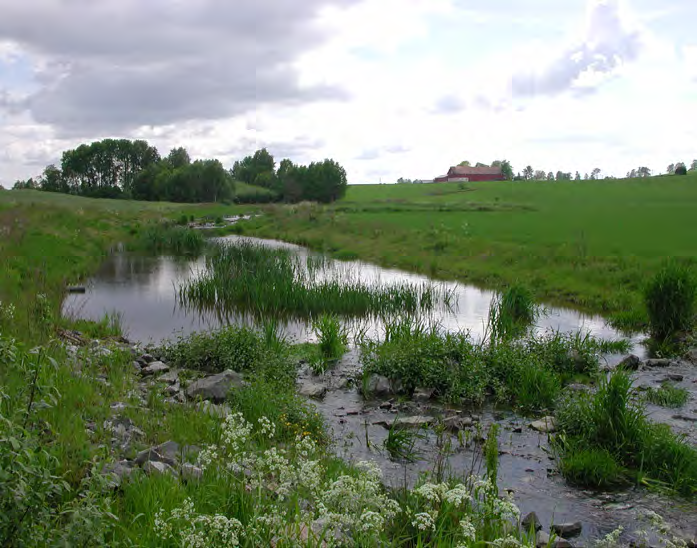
(588, 244)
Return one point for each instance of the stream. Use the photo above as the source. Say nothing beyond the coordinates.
(142, 290)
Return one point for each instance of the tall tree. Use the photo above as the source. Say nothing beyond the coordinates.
(540, 175)
(643, 172)
(693, 166)
(506, 168)
(670, 169)
(595, 174)
(577, 177)
(178, 157)
(528, 173)
(464, 163)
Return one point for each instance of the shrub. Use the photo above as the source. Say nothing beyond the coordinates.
(681, 170)
(670, 301)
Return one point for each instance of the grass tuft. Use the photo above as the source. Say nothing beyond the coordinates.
(670, 301)
(667, 396)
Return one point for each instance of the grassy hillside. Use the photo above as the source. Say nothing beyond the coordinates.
(588, 244)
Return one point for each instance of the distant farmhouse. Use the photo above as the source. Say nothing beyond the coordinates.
(467, 173)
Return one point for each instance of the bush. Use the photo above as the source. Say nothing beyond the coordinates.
(681, 170)
(670, 301)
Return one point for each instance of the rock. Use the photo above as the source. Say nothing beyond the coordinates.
(541, 539)
(407, 422)
(146, 359)
(155, 368)
(530, 521)
(567, 530)
(173, 389)
(673, 377)
(659, 362)
(685, 418)
(189, 472)
(453, 424)
(216, 387)
(386, 405)
(561, 543)
(379, 386)
(166, 452)
(157, 468)
(545, 425)
(116, 472)
(691, 356)
(423, 394)
(214, 410)
(312, 390)
(137, 367)
(171, 378)
(631, 363)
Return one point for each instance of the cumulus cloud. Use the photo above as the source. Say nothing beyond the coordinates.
(610, 41)
(115, 65)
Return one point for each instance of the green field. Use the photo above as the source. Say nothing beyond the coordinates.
(589, 244)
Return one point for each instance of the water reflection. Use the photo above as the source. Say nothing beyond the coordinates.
(143, 290)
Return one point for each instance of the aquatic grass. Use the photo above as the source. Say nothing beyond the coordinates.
(592, 467)
(401, 441)
(667, 396)
(332, 340)
(670, 300)
(170, 238)
(269, 281)
(512, 312)
(614, 420)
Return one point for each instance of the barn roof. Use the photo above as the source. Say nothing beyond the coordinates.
(464, 171)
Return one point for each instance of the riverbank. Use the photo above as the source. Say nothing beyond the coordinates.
(589, 245)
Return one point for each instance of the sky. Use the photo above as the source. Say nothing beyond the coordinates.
(388, 88)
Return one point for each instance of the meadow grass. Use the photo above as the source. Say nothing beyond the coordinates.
(169, 238)
(582, 244)
(512, 312)
(612, 421)
(274, 282)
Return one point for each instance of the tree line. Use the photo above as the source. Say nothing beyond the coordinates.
(135, 170)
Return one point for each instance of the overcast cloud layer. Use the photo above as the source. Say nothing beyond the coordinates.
(389, 88)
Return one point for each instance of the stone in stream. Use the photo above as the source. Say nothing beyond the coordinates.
(423, 394)
(691, 356)
(407, 422)
(545, 425)
(155, 368)
(145, 359)
(541, 539)
(567, 529)
(312, 390)
(530, 521)
(379, 386)
(673, 377)
(658, 362)
(685, 418)
(631, 363)
(216, 387)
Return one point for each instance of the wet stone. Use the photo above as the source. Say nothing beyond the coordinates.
(541, 539)
(155, 368)
(567, 530)
(379, 386)
(658, 362)
(631, 363)
(545, 425)
(313, 390)
(674, 377)
(423, 394)
(530, 521)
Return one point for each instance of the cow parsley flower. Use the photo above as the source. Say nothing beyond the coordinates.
(423, 521)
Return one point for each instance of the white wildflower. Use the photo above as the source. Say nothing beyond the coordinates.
(423, 521)
(506, 509)
(506, 542)
(458, 495)
(267, 428)
(469, 532)
(433, 492)
(610, 540)
(371, 521)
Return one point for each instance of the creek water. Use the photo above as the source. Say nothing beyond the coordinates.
(143, 292)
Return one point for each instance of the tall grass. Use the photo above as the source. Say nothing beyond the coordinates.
(512, 312)
(332, 339)
(170, 238)
(667, 396)
(670, 300)
(275, 282)
(606, 437)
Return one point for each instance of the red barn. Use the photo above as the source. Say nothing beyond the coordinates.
(467, 173)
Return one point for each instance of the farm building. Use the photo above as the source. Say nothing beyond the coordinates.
(467, 173)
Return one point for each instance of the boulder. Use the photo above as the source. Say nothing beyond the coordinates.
(214, 410)
(155, 368)
(423, 394)
(137, 367)
(631, 363)
(189, 472)
(313, 390)
(146, 359)
(567, 530)
(541, 539)
(173, 389)
(216, 387)
(115, 473)
(674, 377)
(561, 543)
(531, 522)
(170, 378)
(545, 425)
(379, 386)
(157, 468)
